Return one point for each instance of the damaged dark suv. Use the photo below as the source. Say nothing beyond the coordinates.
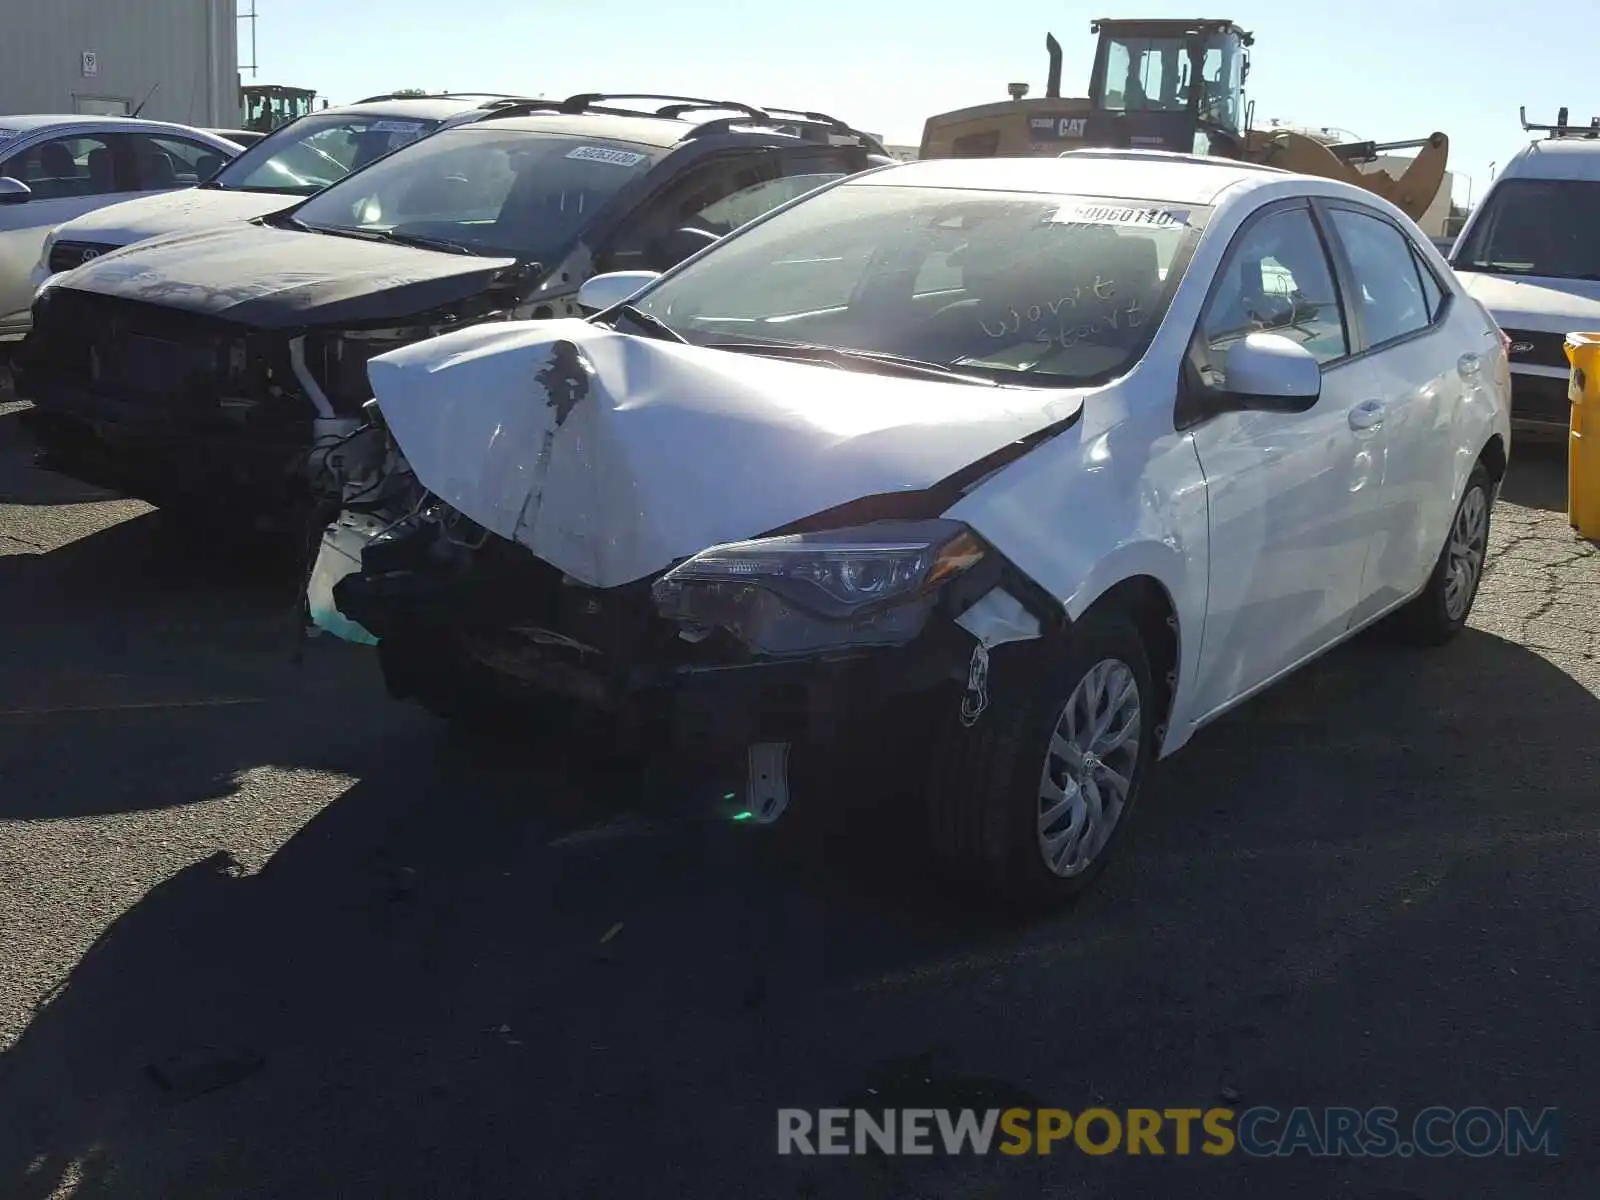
(227, 369)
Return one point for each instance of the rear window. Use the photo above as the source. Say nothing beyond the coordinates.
(1544, 227)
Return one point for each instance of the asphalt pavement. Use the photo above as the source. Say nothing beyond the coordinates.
(265, 932)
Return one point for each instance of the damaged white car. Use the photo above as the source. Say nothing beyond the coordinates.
(1082, 451)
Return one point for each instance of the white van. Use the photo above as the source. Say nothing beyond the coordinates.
(1530, 253)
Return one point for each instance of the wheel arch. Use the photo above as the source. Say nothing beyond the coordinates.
(1148, 601)
(1493, 458)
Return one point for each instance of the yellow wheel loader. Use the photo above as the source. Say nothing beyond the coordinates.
(1179, 86)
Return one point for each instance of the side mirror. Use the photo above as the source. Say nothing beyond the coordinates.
(1268, 372)
(14, 191)
(600, 292)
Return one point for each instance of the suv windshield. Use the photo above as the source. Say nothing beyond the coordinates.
(303, 158)
(1043, 290)
(1536, 227)
(501, 193)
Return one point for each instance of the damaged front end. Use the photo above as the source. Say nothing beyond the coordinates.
(781, 640)
(575, 516)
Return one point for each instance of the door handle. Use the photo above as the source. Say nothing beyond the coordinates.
(1469, 365)
(1366, 415)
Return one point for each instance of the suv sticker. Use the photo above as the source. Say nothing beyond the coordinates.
(396, 127)
(1134, 218)
(617, 158)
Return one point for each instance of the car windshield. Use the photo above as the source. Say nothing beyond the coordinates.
(306, 156)
(1536, 227)
(496, 192)
(1034, 289)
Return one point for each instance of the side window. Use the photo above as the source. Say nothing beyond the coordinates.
(169, 162)
(759, 188)
(1277, 279)
(65, 167)
(716, 198)
(1432, 293)
(1389, 289)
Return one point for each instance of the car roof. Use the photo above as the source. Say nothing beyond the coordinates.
(1144, 174)
(645, 131)
(434, 108)
(1573, 157)
(31, 122)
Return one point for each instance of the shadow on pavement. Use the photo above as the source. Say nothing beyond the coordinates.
(428, 992)
(1537, 476)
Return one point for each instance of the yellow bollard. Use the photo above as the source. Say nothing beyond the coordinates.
(1583, 438)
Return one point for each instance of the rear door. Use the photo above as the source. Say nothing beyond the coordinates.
(1417, 363)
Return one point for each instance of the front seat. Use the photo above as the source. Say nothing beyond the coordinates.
(156, 172)
(101, 174)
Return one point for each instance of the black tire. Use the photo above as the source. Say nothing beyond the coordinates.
(985, 784)
(1428, 620)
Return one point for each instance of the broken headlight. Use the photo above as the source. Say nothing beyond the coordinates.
(872, 585)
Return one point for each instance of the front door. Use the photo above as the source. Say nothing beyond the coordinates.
(1285, 492)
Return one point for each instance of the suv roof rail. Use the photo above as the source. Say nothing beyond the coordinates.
(439, 96)
(835, 125)
(1560, 128)
(811, 126)
(584, 101)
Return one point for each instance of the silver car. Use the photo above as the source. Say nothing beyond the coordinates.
(54, 168)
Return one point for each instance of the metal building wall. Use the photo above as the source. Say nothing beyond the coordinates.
(189, 47)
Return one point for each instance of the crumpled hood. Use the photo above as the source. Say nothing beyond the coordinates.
(611, 457)
(282, 278)
(182, 211)
(1542, 305)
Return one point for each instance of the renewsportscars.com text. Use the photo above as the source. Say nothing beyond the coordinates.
(1260, 1132)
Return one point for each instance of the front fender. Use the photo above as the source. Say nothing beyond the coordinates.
(1118, 496)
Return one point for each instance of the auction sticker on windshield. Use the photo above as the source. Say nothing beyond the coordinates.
(397, 127)
(617, 158)
(1131, 218)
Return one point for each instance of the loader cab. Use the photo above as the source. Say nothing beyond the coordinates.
(1169, 85)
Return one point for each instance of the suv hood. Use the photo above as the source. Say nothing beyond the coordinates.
(611, 457)
(170, 212)
(271, 278)
(1540, 304)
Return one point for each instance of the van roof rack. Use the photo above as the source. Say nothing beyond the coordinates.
(1561, 129)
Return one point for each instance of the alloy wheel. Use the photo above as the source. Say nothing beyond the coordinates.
(1089, 769)
(1464, 559)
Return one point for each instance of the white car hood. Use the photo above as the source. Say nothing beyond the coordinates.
(1541, 305)
(182, 211)
(611, 457)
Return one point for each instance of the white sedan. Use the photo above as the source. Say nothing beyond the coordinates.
(1083, 452)
(55, 168)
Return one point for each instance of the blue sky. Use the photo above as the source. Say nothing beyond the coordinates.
(1386, 71)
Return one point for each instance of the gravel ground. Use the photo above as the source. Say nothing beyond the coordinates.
(1375, 885)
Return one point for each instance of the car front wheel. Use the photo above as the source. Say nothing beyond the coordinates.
(1032, 799)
